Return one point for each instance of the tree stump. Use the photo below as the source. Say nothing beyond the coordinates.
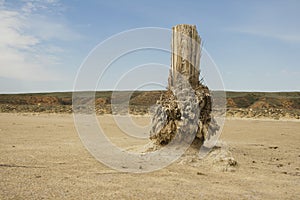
(183, 112)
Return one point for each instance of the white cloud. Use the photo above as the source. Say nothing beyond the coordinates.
(30, 6)
(11, 31)
(283, 35)
(25, 53)
(47, 29)
(278, 21)
(18, 65)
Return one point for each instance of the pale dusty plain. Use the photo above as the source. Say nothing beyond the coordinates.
(42, 157)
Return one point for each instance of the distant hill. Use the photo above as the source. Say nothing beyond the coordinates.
(286, 100)
(140, 100)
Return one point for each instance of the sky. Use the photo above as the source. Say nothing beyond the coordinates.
(255, 44)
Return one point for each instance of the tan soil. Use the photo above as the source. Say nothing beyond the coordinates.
(42, 157)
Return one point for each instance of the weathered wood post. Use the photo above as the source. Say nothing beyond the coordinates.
(184, 110)
(185, 57)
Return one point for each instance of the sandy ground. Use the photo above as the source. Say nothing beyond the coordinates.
(42, 157)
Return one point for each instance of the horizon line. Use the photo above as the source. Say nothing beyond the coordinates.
(128, 90)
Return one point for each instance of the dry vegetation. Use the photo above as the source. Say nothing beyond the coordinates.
(274, 105)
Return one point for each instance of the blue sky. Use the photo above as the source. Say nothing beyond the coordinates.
(255, 44)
